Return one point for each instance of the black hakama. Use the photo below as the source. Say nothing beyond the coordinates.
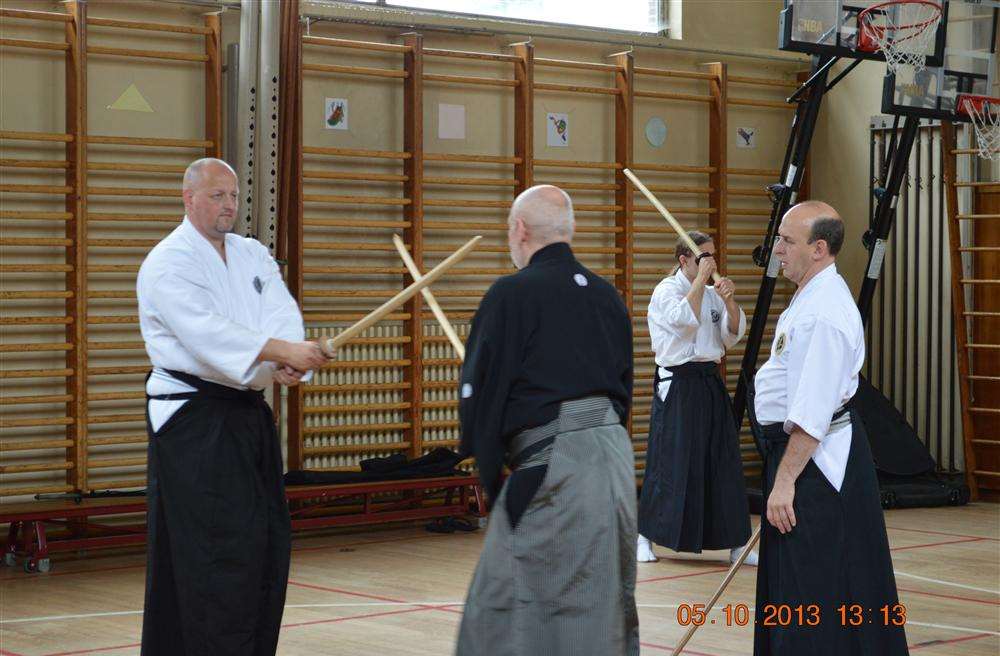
(836, 555)
(219, 537)
(693, 493)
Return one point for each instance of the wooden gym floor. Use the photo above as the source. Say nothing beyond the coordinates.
(399, 591)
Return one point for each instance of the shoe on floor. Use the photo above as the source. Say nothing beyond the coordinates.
(735, 552)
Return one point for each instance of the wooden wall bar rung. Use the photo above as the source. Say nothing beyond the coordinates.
(349, 316)
(354, 448)
(458, 202)
(34, 163)
(659, 72)
(31, 348)
(36, 15)
(118, 216)
(463, 54)
(355, 428)
(364, 177)
(753, 102)
(747, 192)
(37, 216)
(575, 88)
(113, 319)
(576, 164)
(39, 241)
(149, 27)
(35, 268)
(764, 173)
(116, 396)
(662, 95)
(40, 467)
(148, 141)
(122, 243)
(134, 191)
(349, 246)
(148, 54)
(35, 189)
(135, 168)
(108, 463)
(355, 152)
(762, 81)
(467, 79)
(34, 45)
(584, 186)
(679, 210)
(353, 223)
(563, 63)
(354, 70)
(20, 135)
(673, 168)
(667, 230)
(355, 200)
(680, 189)
(364, 387)
(36, 373)
(362, 407)
(456, 157)
(34, 399)
(470, 182)
(46, 421)
(357, 45)
(34, 445)
(35, 295)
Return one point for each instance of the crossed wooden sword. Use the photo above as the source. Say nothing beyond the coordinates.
(421, 284)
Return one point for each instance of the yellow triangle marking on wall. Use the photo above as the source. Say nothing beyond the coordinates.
(131, 101)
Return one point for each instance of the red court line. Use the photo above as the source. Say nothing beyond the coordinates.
(367, 542)
(950, 535)
(988, 602)
(935, 643)
(670, 649)
(91, 651)
(9, 653)
(936, 544)
(683, 576)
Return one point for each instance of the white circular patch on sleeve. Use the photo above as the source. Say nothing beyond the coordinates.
(466, 390)
(580, 279)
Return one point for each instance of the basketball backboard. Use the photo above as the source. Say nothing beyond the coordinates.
(831, 28)
(969, 66)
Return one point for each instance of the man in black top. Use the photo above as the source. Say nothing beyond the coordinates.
(546, 389)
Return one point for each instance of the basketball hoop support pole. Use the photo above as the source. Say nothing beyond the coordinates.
(786, 191)
(885, 211)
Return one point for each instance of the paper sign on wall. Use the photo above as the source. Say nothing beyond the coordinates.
(335, 114)
(451, 121)
(746, 137)
(557, 130)
(131, 100)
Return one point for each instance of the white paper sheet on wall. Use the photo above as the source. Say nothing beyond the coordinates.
(557, 130)
(451, 121)
(335, 114)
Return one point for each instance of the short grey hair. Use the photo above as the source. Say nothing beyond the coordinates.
(830, 229)
(547, 211)
(196, 169)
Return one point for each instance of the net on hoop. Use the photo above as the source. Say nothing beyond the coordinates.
(984, 113)
(902, 30)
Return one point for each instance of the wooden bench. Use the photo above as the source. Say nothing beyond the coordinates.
(311, 506)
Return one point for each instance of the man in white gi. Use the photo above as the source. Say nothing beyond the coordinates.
(219, 326)
(824, 547)
(693, 493)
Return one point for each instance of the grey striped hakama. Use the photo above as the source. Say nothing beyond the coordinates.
(562, 582)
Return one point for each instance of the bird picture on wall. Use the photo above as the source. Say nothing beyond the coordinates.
(747, 137)
(336, 114)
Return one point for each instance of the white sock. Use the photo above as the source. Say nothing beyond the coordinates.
(735, 552)
(644, 552)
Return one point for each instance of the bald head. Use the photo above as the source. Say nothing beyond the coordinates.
(539, 216)
(823, 222)
(200, 169)
(809, 238)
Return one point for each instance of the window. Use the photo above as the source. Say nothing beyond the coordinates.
(627, 15)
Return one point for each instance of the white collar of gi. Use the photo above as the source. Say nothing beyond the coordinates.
(817, 281)
(200, 241)
(682, 280)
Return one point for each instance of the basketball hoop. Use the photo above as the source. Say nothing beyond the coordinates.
(901, 30)
(984, 114)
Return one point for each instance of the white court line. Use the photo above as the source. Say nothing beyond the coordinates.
(954, 585)
(952, 628)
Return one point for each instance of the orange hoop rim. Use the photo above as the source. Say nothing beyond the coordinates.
(915, 28)
(978, 101)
